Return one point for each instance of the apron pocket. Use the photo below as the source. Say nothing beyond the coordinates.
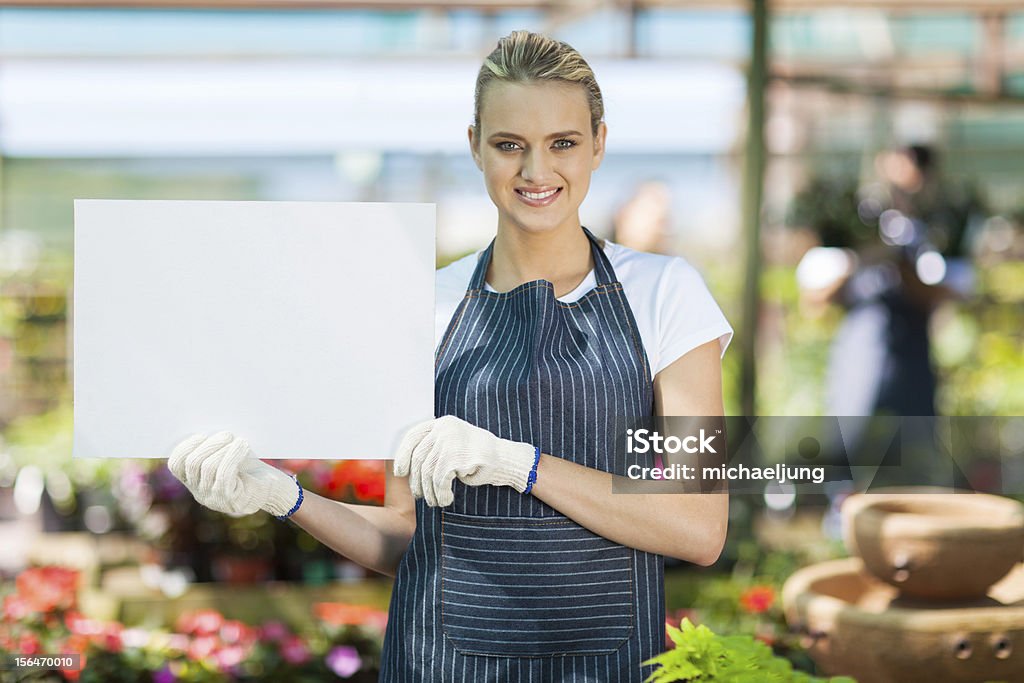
(533, 587)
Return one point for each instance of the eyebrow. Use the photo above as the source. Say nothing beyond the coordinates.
(562, 134)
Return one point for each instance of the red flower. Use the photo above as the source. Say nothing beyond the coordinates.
(361, 479)
(7, 641)
(757, 599)
(28, 644)
(339, 614)
(110, 638)
(371, 490)
(74, 674)
(48, 588)
(75, 644)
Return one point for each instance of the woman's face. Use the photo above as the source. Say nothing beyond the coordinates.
(537, 151)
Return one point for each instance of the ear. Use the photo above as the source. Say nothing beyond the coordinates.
(474, 147)
(599, 140)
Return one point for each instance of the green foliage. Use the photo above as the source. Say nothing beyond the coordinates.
(979, 348)
(828, 206)
(791, 367)
(44, 441)
(701, 656)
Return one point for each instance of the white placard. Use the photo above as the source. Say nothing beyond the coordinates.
(305, 327)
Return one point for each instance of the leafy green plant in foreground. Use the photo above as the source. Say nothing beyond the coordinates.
(702, 656)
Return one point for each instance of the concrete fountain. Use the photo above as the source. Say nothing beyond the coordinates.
(934, 591)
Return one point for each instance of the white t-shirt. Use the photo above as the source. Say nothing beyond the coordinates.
(673, 308)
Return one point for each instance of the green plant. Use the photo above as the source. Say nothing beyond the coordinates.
(828, 206)
(702, 656)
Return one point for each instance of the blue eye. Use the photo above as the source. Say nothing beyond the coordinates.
(507, 146)
(564, 143)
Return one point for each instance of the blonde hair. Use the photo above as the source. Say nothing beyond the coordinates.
(523, 57)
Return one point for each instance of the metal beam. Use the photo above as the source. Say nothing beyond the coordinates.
(753, 192)
(282, 5)
(959, 6)
(846, 86)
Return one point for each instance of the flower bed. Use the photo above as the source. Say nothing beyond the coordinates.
(40, 617)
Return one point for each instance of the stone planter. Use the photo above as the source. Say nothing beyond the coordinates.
(939, 546)
(861, 627)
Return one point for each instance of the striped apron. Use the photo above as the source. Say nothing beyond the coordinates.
(499, 586)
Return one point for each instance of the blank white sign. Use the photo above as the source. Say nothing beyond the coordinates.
(305, 327)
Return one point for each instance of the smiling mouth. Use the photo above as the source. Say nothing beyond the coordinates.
(539, 198)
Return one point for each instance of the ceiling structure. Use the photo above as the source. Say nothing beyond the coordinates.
(992, 71)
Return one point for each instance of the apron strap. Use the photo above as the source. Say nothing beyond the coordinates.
(476, 283)
(603, 271)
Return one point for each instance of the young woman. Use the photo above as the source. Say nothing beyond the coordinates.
(513, 560)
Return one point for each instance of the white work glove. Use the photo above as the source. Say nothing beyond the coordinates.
(224, 475)
(433, 453)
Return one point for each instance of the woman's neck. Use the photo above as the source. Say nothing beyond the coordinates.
(562, 257)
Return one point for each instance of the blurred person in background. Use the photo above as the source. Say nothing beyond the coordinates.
(893, 254)
(643, 222)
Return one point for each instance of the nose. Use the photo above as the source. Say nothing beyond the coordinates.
(537, 166)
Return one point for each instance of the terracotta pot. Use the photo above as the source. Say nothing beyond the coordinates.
(242, 568)
(941, 546)
(858, 626)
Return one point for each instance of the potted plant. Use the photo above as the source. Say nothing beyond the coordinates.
(702, 656)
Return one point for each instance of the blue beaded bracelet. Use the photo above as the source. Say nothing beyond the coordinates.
(297, 503)
(533, 470)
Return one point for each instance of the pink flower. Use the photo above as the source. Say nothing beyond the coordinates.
(29, 644)
(343, 660)
(111, 638)
(232, 631)
(273, 631)
(230, 656)
(135, 637)
(204, 622)
(82, 626)
(178, 642)
(294, 650)
(202, 647)
(16, 607)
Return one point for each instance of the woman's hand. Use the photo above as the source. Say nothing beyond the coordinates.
(223, 474)
(433, 453)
